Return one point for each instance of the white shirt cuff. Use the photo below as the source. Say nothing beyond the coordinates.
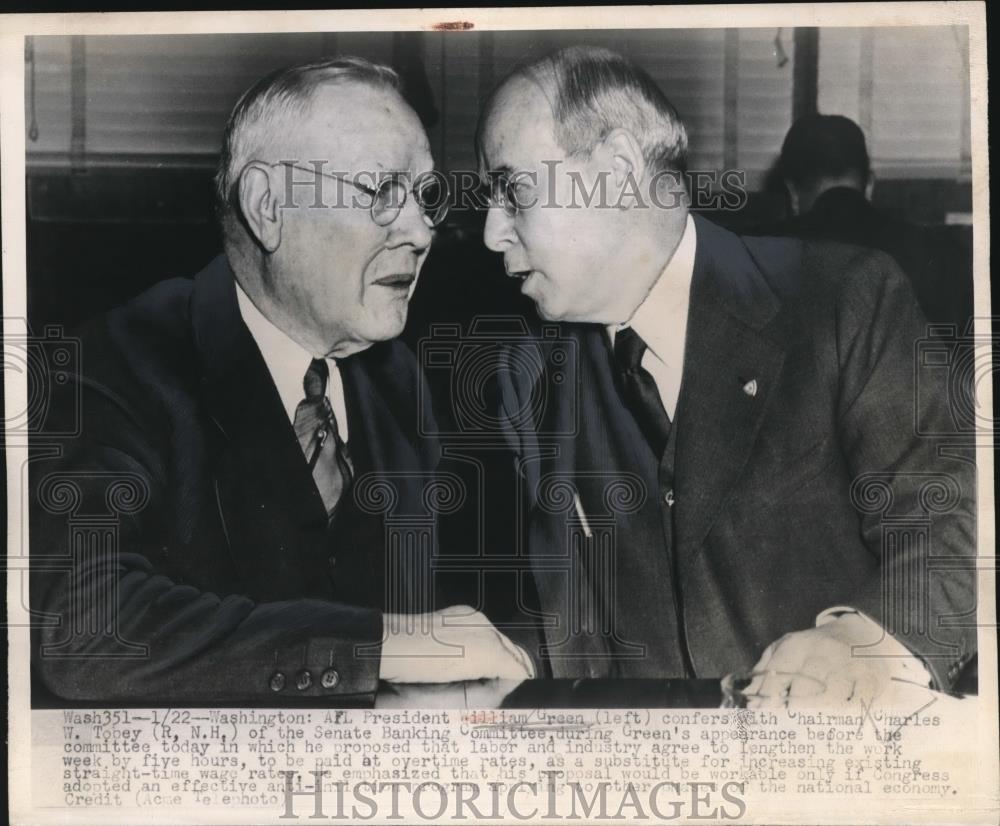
(878, 642)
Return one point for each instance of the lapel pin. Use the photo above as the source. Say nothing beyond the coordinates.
(750, 388)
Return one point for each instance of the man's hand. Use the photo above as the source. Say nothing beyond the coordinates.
(478, 694)
(450, 645)
(816, 667)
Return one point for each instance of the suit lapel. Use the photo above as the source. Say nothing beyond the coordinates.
(389, 542)
(732, 361)
(381, 386)
(271, 510)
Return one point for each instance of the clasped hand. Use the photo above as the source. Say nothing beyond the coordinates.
(823, 666)
(451, 645)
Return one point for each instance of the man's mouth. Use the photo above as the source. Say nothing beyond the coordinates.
(521, 275)
(400, 280)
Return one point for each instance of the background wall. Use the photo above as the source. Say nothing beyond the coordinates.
(123, 132)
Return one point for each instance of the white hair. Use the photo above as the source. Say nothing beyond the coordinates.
(273, 106)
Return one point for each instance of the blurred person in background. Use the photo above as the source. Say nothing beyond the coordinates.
(826, 171)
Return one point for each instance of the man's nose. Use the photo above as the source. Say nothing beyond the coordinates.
(411, 226)
(498, 234)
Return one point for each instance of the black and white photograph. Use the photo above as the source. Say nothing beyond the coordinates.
(594, 406)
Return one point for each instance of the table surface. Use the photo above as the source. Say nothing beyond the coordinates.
(581, 693)
(589, 693)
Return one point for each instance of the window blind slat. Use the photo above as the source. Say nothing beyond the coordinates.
(918, 107)
(172, 94)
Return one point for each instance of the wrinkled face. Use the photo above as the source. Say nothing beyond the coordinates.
(336, 272)
(563, 248)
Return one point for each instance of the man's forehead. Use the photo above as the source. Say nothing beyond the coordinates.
(349, 123)
(519, 128)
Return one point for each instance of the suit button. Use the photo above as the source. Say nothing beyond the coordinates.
(330, 678)
(303, 680)
(277, 682)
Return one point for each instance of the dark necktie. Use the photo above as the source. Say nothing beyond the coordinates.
(316, 429)
(641, 394)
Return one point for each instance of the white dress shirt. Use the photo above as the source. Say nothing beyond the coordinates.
(661, 320)
(287, 362)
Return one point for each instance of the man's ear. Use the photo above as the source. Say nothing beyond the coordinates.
(259, 205)
(870, 186)
(623, 153)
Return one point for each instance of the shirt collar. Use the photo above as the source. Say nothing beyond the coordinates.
(661, 318)
(286, 360)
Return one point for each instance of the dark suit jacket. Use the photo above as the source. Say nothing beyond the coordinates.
(939, 269)
(179, 546)
(805, 490)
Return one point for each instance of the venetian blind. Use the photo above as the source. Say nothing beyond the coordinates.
(907, 88)
(118, 100)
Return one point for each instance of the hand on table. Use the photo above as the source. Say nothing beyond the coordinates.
(821, 667)
(451, 645)
(478, 694)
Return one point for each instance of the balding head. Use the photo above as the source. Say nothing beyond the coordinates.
(591, 92)
(583, 155)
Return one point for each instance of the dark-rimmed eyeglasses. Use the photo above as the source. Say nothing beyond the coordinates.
(430, 191)
(503, 191)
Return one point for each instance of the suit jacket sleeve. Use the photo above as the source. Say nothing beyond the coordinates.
(112, 627)
(894, 420)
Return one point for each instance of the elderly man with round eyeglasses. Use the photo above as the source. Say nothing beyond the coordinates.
(264, 416)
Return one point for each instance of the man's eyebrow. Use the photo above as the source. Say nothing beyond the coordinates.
(382, 170)
(504, 169)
